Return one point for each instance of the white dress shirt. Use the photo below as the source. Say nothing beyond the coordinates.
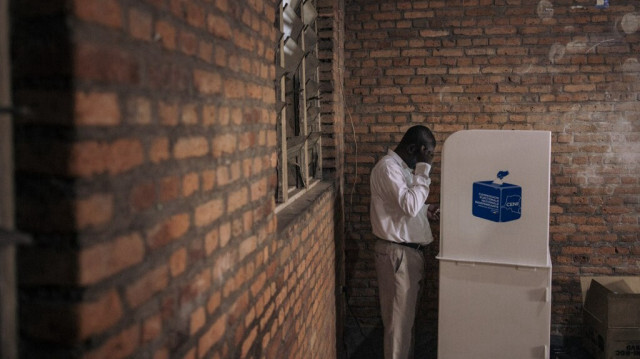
(398, 196)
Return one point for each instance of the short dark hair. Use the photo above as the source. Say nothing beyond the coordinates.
(418, 135)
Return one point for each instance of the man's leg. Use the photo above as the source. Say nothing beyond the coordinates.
(386, 257)
(400, 271)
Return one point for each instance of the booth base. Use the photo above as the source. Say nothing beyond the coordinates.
(493, 311)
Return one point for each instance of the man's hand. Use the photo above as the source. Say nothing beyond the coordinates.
(433, 212)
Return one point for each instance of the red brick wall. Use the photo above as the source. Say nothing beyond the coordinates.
(562, 66)
(331, 56)
(146, 175)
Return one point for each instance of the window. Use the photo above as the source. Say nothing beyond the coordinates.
(298, 101)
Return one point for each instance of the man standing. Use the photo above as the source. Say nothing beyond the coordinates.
(400, 221)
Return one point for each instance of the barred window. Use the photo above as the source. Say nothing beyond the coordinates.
(298, 102)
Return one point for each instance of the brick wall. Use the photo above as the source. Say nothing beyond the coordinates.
(562, 66)
(146, 175)
(331, 55)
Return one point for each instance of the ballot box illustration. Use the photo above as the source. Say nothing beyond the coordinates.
(495, 267)
(497, 201)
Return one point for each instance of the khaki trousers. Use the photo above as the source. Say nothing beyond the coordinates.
(400, 273)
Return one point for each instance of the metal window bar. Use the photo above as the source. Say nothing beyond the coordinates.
(292, 25)
(298, 61)
(310, 37)
(309, 13)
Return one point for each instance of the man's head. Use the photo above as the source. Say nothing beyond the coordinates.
(417, 145)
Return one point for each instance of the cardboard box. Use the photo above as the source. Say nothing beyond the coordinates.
(612, 316)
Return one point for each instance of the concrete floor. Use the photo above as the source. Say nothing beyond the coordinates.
(366, 343)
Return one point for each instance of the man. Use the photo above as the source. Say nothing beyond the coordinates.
(400, 221)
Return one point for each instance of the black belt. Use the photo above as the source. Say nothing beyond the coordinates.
(411, 245)
(415, 246)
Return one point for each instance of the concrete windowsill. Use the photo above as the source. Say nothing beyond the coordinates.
(302, 205)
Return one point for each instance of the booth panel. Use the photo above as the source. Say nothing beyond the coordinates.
(489, 311)
(495, 196)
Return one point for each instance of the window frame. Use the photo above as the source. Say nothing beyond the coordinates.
(297, 59)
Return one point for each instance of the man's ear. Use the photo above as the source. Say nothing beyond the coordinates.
(412, 148)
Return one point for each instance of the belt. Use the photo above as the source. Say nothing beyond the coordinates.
(416, 246)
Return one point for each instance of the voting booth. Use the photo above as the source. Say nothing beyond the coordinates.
(495, 267)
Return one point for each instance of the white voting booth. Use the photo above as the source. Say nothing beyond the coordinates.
(495, 268)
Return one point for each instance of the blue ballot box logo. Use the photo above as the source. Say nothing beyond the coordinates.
(496, 200)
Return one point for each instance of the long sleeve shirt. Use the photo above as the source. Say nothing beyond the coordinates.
(398, 195)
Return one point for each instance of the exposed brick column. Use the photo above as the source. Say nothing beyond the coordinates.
(147, 176)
